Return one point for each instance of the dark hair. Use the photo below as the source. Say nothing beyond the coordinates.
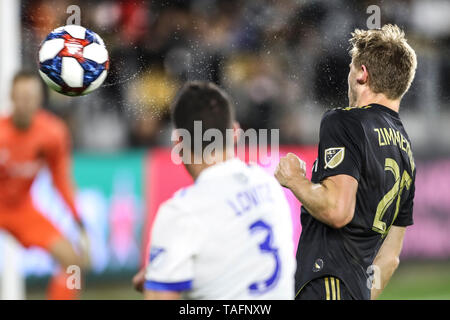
(203, 101)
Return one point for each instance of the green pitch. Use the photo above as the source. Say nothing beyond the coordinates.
(419, 281)
(424, 280)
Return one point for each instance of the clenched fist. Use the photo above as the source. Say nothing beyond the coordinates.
(290, 169)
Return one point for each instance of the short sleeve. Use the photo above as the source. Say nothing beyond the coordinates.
(405, 215)
(173, 247)
(341, 145)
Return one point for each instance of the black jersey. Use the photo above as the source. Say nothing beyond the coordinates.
(371, 145)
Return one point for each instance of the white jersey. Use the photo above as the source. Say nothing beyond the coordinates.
(229, 236)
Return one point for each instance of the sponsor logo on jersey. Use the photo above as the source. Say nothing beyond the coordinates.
(318, 265)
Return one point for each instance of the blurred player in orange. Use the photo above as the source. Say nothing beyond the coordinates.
(31, 138)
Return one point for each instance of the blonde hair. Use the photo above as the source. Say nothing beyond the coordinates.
(389, 59)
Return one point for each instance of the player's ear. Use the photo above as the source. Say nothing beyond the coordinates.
(363, 75)
(176, 137)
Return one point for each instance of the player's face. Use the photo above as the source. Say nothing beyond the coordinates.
(26, 97)
(352, 95)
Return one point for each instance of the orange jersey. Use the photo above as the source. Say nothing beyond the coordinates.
(24, 152)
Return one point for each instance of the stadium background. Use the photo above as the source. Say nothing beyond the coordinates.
(284, 63)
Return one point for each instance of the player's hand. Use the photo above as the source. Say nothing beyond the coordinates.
(290, 169)
(138, 280)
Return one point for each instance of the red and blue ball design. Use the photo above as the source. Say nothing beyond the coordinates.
(73, 60)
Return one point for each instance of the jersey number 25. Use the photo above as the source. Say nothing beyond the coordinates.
(388, 199)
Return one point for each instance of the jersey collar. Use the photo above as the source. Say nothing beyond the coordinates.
(384, 109)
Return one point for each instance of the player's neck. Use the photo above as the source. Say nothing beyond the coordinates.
(378, 98)
(21, 123)
(195, 169)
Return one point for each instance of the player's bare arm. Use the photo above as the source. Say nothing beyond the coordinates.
(332, 201)
(388, 258)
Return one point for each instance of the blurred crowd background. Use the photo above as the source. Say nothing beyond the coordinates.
(284, 62)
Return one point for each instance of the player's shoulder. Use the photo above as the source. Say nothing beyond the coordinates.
(180, 211)
(255, 169)
(177, 198)
(172, 210)
(348, 119)
(346, 114)
(181, 201)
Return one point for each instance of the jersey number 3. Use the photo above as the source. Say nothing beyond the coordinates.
(389, 198)
(263, 286)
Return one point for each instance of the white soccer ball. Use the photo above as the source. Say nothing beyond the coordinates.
(73, 60)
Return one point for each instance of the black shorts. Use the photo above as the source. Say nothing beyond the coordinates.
(326, 288)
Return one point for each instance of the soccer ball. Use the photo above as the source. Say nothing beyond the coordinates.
(73, 60)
